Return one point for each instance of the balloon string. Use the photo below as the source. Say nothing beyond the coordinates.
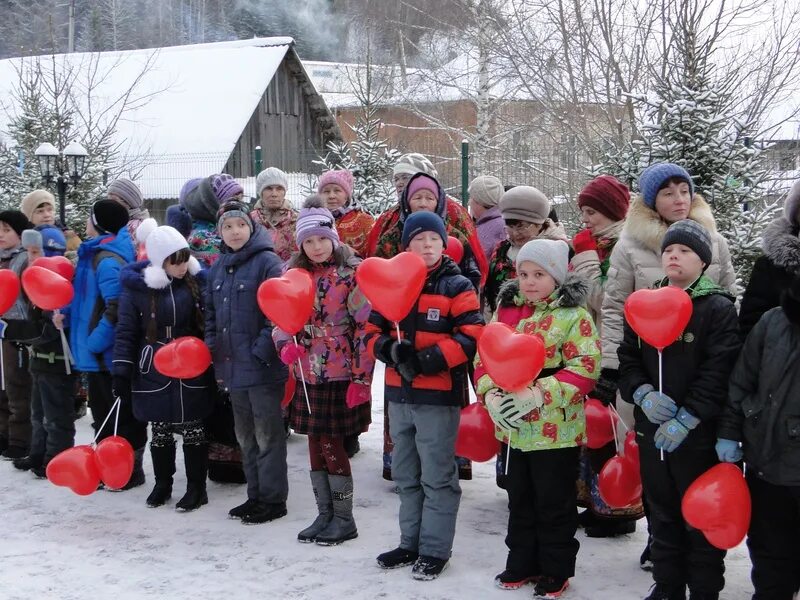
(68, 358)
(614, 430)
(100, 430)
(302, 377)
(508, 451)
(116, 417)
(660, 385)
(619, 418)
(2, 370)
(397, 325)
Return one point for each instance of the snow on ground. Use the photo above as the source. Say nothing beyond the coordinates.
(57, 545)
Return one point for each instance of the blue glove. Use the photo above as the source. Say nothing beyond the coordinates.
(671, 433)
(656, 406)
(728, 450)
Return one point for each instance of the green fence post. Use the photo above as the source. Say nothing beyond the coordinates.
(464, 173)
(259, 163)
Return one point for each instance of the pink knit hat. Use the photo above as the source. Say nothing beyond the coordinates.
(342, 178)
(422, 182)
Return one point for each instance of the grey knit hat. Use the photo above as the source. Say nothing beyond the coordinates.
(271, 176)
(414, 163)
(689, 233)
(791, 209)
(525, 203)
(128, 192)
(486, 190)
(551, 255)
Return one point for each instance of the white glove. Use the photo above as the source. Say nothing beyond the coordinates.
(518, 404)
(495, 400)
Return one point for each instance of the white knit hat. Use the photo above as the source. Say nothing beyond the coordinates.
(160, 243)
(414, 163)
(551, 255)
(271, 176)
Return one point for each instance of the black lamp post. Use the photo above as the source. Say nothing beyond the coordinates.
(65, 167)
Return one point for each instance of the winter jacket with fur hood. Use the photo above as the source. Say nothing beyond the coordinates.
(636, 265)
(571, 367)
(772, 272)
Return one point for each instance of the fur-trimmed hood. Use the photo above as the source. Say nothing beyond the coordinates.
(781, 245)
(646, 226)
(143, 276)
(573, 292)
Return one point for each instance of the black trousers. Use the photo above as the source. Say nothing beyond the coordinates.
(681, 555)
(542, 518)
(773, 539)
(101, 399)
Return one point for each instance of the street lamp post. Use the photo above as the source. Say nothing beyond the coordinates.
(52, 165)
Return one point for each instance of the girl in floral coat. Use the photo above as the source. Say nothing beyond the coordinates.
(544, 424)
(336, 367)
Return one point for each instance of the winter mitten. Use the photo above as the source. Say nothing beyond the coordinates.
(383, 349)
(409, 368)
(357, 394)
(728, 450)
(606, 388)
(494, 399)
(671, 433)
(402, 351)
(656, 406)
(516, 405)
(121, 387)
(291, 353)
(583, 242)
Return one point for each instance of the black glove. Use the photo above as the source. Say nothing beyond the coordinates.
(409, 368)
(121, 386)
(606, 388)
(403, 351)
(383, 350)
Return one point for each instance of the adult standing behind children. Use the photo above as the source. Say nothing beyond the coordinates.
(162, 300)
(274, 211)
(353, 223)
(245, 360)
(93, 319)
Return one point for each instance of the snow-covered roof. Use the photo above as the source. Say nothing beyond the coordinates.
(192, 100)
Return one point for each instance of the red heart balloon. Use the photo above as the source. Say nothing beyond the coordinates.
(455, 249)
(599, 429)
(9, 289)
(631, 449)
(512, 359)
(392, 286)
(476, 440)
(619, 483)
(114, 459)
(718, 504)
(183, 358)
(76, 469)
(288, 300)
(58, 264)
(659, 316)
(46, 289)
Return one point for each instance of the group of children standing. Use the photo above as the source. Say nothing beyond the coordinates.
(686, 417)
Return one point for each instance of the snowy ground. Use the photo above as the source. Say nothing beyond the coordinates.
(61, 546)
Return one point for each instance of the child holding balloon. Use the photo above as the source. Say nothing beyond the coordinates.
(543, 423)
(677, 409)
(337, 369)
(162, 300)
(426, 371)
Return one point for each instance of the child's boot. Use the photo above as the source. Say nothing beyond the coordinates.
(195, 457)
(322, 492)
(342, 527)
(163, 469)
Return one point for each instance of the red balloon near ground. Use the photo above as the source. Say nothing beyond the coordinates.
(46, 289)
(9, 289)
(287, 300)
(183, 358)
(512, 359)
(455, 249)
(599, 428)
(718, 504)
(392, 285)
(631, 449)
(114, 459)
(288, 391)
(58, 264)
(76, 469)
(619, 483)
(476, 440)
(658, 316)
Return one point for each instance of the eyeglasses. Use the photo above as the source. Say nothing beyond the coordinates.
(514, 225)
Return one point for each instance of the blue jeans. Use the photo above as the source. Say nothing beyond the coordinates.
(258, 422)
(425, 471)
(52, 414)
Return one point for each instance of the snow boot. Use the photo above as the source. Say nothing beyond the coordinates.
(660, 591)
(264, 512)
(428, 568)
(26, 463)
(550, 587)
(513, 580)
(342, 527)
(237, 512)
(163, 469)
(195, 457)
(322, 492)
(399, 557)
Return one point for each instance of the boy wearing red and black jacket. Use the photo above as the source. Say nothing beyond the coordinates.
(426, 376)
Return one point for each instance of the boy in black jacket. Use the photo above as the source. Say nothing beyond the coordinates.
(681, 421)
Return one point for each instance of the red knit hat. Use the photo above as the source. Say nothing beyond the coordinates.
(606, 195)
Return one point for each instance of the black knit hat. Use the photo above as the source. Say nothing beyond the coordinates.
(689, 233)
(109, 216)
(16, 220)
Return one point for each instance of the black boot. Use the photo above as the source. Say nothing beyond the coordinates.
(26, 463)
(195, 457)
(322, 492)
(163, 468)
(342, 527)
